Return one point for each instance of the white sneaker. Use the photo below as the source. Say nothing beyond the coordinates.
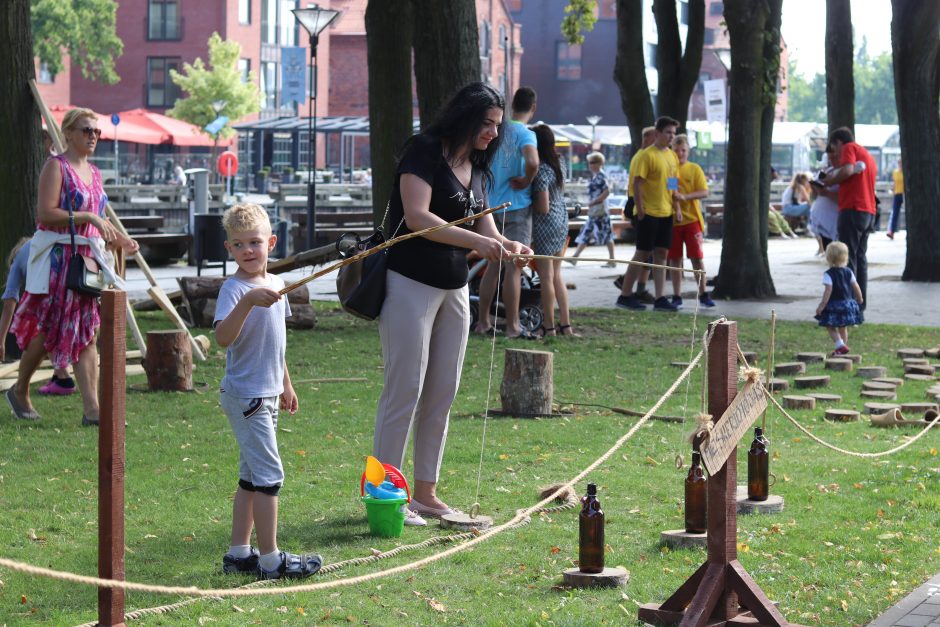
(412, 519)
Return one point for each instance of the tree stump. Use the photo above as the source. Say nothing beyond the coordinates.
(751, 357)
(897, 382)
(870, 372)
(820, 381)
(914, 376)
(933, 391)
(842, 415)
(607, 578)
(169, 363)
(855, 358)
(838, 364)
(822, 397)
(874, 407)
(794, 401)
(199, 295)
(790, 367)
(811, 358)
(914, 361)
(920, 369)
(778, 385)
(933, 353)
(910, 352)
(527, 388)
(882, 394)
(878, 385)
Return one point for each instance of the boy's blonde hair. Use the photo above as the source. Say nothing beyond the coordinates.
(245, 217)
(837, 255)
(596, 157)
(681, 140)
(16, 248)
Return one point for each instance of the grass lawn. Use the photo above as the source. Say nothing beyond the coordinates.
(856, 535)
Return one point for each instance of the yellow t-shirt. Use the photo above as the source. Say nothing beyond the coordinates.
(691, 179)
(655, 166)
(898, 181)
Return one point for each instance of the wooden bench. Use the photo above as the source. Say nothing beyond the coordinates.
(156, 247)
(622, 229)
(330, 225)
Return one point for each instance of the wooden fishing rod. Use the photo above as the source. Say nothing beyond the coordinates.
(387, 244)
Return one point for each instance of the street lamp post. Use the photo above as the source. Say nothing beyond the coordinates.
(314, 20)
(218, 106)
(593, 120)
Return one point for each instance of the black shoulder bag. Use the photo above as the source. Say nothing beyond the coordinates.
(83, 276)
(361, 285)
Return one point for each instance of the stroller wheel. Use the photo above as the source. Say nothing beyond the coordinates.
(474, 312)
(530, 318)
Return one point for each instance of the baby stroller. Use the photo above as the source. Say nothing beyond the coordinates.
(530, 303)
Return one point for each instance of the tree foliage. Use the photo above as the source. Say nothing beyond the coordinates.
(580, 17)
(83, 29)
(220, 82)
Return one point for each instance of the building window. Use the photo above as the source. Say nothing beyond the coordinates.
(716, 8)
(45, 76)
(163, 21)
(502, 37)
(269, 21)
(486, 37)
(709, 37)
(289, 26)
(567, 61)
(244, 68)
(161, 90)
(684, 13)
(515, 5)
(268, 85)
(607, 9)
(244, 11)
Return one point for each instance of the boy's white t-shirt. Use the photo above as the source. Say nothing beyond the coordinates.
(254, 362)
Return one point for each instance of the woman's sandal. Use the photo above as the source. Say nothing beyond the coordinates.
(543, 332)
(562, 330)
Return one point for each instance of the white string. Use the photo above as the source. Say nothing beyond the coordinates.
(489, 380)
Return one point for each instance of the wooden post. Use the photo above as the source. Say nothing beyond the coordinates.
(716, 592)
(111, 455)
(527, 387)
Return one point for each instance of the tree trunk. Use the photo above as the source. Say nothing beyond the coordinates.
(630, 72)
(169, 363)
(446, 52)
(527, 388)
(916, 49)
(21, 160)
(840, 52)
(678, 71)
(390, 113)
(744, 271)
(768, 116)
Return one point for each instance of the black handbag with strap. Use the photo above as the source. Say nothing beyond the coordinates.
(361, 284)
(83, 276)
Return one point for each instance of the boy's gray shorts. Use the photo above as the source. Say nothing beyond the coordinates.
(254, 423)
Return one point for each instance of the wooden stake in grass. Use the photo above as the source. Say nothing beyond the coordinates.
(111, 455)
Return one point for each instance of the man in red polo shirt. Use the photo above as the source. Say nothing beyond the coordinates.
(856, 201)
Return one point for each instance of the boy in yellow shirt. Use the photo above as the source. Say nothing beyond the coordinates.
(688, 227)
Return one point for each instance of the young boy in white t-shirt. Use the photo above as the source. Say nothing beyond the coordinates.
(249, 320)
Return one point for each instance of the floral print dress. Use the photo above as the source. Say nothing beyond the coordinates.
(68, 319)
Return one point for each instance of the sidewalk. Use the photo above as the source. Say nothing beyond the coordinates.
(920, 608)
(796, 271)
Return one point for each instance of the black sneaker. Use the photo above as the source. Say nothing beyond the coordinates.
(677, 301)
(235, 565)
(618, 282)
(292, 566)
(662, 304)
(630, 302)
(646, 297)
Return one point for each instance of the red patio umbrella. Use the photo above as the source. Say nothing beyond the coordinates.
(128, 130)
(176, 132)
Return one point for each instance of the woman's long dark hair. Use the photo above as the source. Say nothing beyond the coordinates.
(547, 154)
(461, 120)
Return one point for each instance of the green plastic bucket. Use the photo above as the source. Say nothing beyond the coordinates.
(386, 516)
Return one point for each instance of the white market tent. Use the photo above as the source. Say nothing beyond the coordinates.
(883, 141)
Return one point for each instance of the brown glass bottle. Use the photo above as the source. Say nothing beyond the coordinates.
(591, 533)
(696, 497)
(758, 468)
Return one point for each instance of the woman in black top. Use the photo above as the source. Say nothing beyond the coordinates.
(442, 176)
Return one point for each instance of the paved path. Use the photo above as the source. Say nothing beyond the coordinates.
(920, 608)
(796, 271)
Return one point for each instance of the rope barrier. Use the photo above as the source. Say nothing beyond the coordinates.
(629, 262)
(517, 520)
(833, 447)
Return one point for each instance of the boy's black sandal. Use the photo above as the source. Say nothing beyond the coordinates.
(292, 566)
(234, 565)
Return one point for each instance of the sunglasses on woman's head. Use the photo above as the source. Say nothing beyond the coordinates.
(89, 131)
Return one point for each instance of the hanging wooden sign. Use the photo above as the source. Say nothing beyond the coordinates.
(749, 403)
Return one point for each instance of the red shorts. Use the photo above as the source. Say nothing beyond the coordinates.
(691, 235)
